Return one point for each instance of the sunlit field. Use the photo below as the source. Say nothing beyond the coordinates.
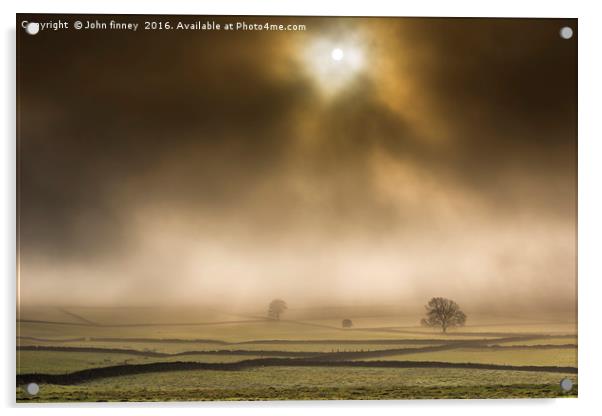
(306, 358)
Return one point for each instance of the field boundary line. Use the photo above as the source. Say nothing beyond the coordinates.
(83, 376)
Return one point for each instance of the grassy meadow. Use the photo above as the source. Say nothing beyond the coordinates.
(137, 354)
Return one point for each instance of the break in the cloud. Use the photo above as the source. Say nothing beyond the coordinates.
(171, 166)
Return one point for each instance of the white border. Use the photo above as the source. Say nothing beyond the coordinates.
(590, 200)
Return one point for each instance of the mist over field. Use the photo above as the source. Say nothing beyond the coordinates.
(237, 169)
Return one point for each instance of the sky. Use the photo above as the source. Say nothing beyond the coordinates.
(362, 161)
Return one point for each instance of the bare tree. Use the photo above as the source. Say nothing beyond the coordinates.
(347, 323)
(276, 308)
(443, 313)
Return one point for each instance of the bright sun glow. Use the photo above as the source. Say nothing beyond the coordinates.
(334, 64)
(337, 54)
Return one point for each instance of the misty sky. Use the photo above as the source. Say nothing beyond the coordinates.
(437, 158)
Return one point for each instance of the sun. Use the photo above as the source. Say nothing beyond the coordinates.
(337, 54)
(334, 64)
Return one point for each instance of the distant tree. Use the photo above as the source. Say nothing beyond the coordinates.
(347, 323)
(276, 308)
(443, 313)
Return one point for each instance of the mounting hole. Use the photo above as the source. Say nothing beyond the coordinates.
(566, 32)
(32, 28)
(566, 384)
(32, 389)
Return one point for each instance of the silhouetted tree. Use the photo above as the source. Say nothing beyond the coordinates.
(443, 313)
(276, 308)
(347, 323)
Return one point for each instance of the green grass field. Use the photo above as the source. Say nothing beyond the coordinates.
(540, 341)
(558, 357)
(53, 362)
(309, 383)
(227, 341)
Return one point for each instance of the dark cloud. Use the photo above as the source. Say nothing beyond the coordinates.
(214, 138)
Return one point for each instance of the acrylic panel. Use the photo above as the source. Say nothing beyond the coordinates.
(295, 208)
